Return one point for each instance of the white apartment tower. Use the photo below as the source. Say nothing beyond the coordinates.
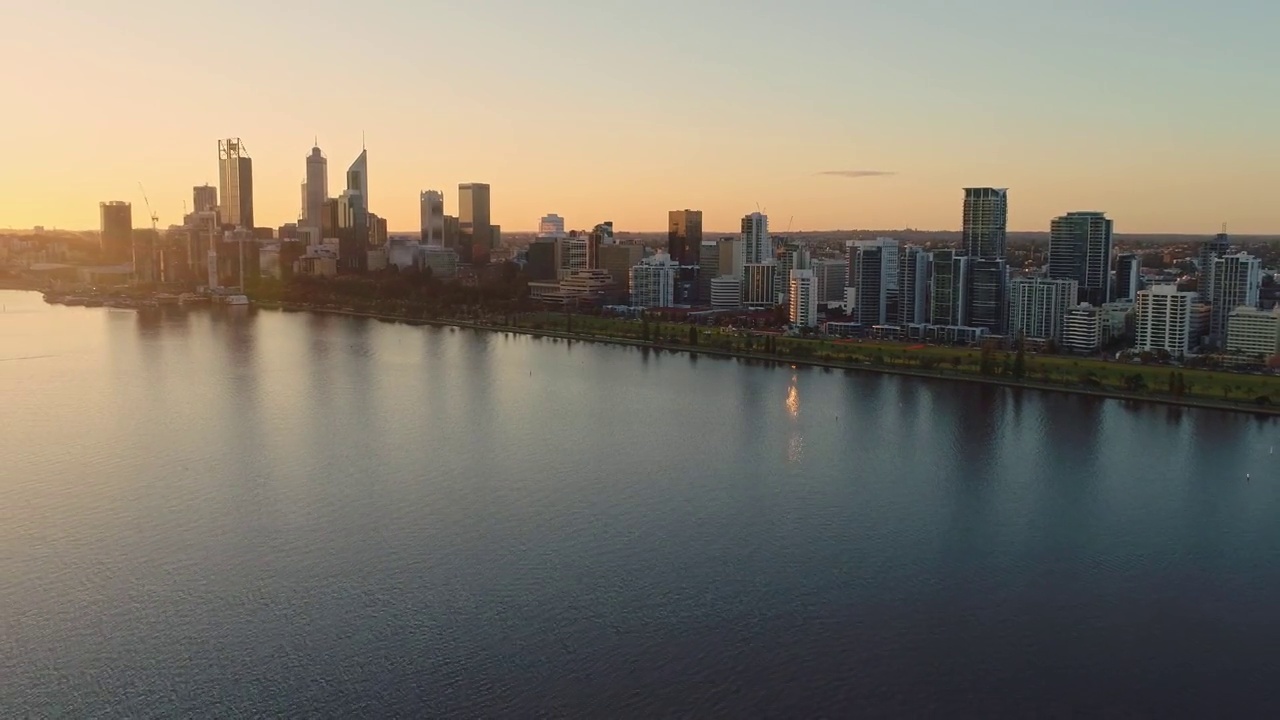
(802, 295)
(1163, 320)
(653, 281)
(756, 244)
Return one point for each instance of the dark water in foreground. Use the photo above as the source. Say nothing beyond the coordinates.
(240, 513)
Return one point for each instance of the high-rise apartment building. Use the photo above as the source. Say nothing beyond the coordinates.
(869, 270)
(986, 219)
(757, 247)
(474, 223)
(1128, 276)
(949, 289)
(802, 297)
(316, 188)
(984, 231)
(551, 226)
(914, 265)
(116, 231)
(431, 216)
(1219, 246)
(235, 181)
(1163, 320)
(1234, 281)
(988, 288)
(1080, 250)
(684, 236)
(653, 281)
(1038, 307)
(204, 198)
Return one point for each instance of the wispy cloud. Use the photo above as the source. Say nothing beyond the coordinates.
(857, 173)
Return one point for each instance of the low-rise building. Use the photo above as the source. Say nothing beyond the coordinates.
(726, 292)
(1082, 329)
(1253, 332)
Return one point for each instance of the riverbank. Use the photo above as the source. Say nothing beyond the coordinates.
(933, 374)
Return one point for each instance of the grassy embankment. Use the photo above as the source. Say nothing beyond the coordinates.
(1069, 373)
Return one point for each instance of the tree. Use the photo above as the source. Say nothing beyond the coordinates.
(693, 336)
(986, 362)
(1020, 362)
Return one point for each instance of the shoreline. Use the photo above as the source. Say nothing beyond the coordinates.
(1259, 410)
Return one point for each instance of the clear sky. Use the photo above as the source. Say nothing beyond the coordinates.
(1164, 113)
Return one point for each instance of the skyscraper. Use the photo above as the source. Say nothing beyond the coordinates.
(204, 198)
(1234, 281)
(474, 223)
(913, 286)
(949, 289)
(431, 211)
(1128, 276)
(235, 181)
(358, 177)
(116, 228)
(1217, 247)
(756, 245)
(869, 271)
(986, 217)
(1080, 250)
(317, 191)
(684, 236)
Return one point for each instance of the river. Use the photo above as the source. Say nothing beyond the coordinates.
(242, 512)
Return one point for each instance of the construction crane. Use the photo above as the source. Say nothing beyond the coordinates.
(155, 237)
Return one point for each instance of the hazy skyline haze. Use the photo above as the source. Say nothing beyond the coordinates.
(842, 114)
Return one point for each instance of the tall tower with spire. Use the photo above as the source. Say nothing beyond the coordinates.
(316, 187)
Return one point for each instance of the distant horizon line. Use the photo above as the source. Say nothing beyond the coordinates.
(722, 233)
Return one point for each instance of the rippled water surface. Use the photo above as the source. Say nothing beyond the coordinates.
(252, 513)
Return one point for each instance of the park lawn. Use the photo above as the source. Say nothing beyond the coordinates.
(1050, 369)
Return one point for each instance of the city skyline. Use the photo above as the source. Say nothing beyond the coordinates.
(825, 120)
